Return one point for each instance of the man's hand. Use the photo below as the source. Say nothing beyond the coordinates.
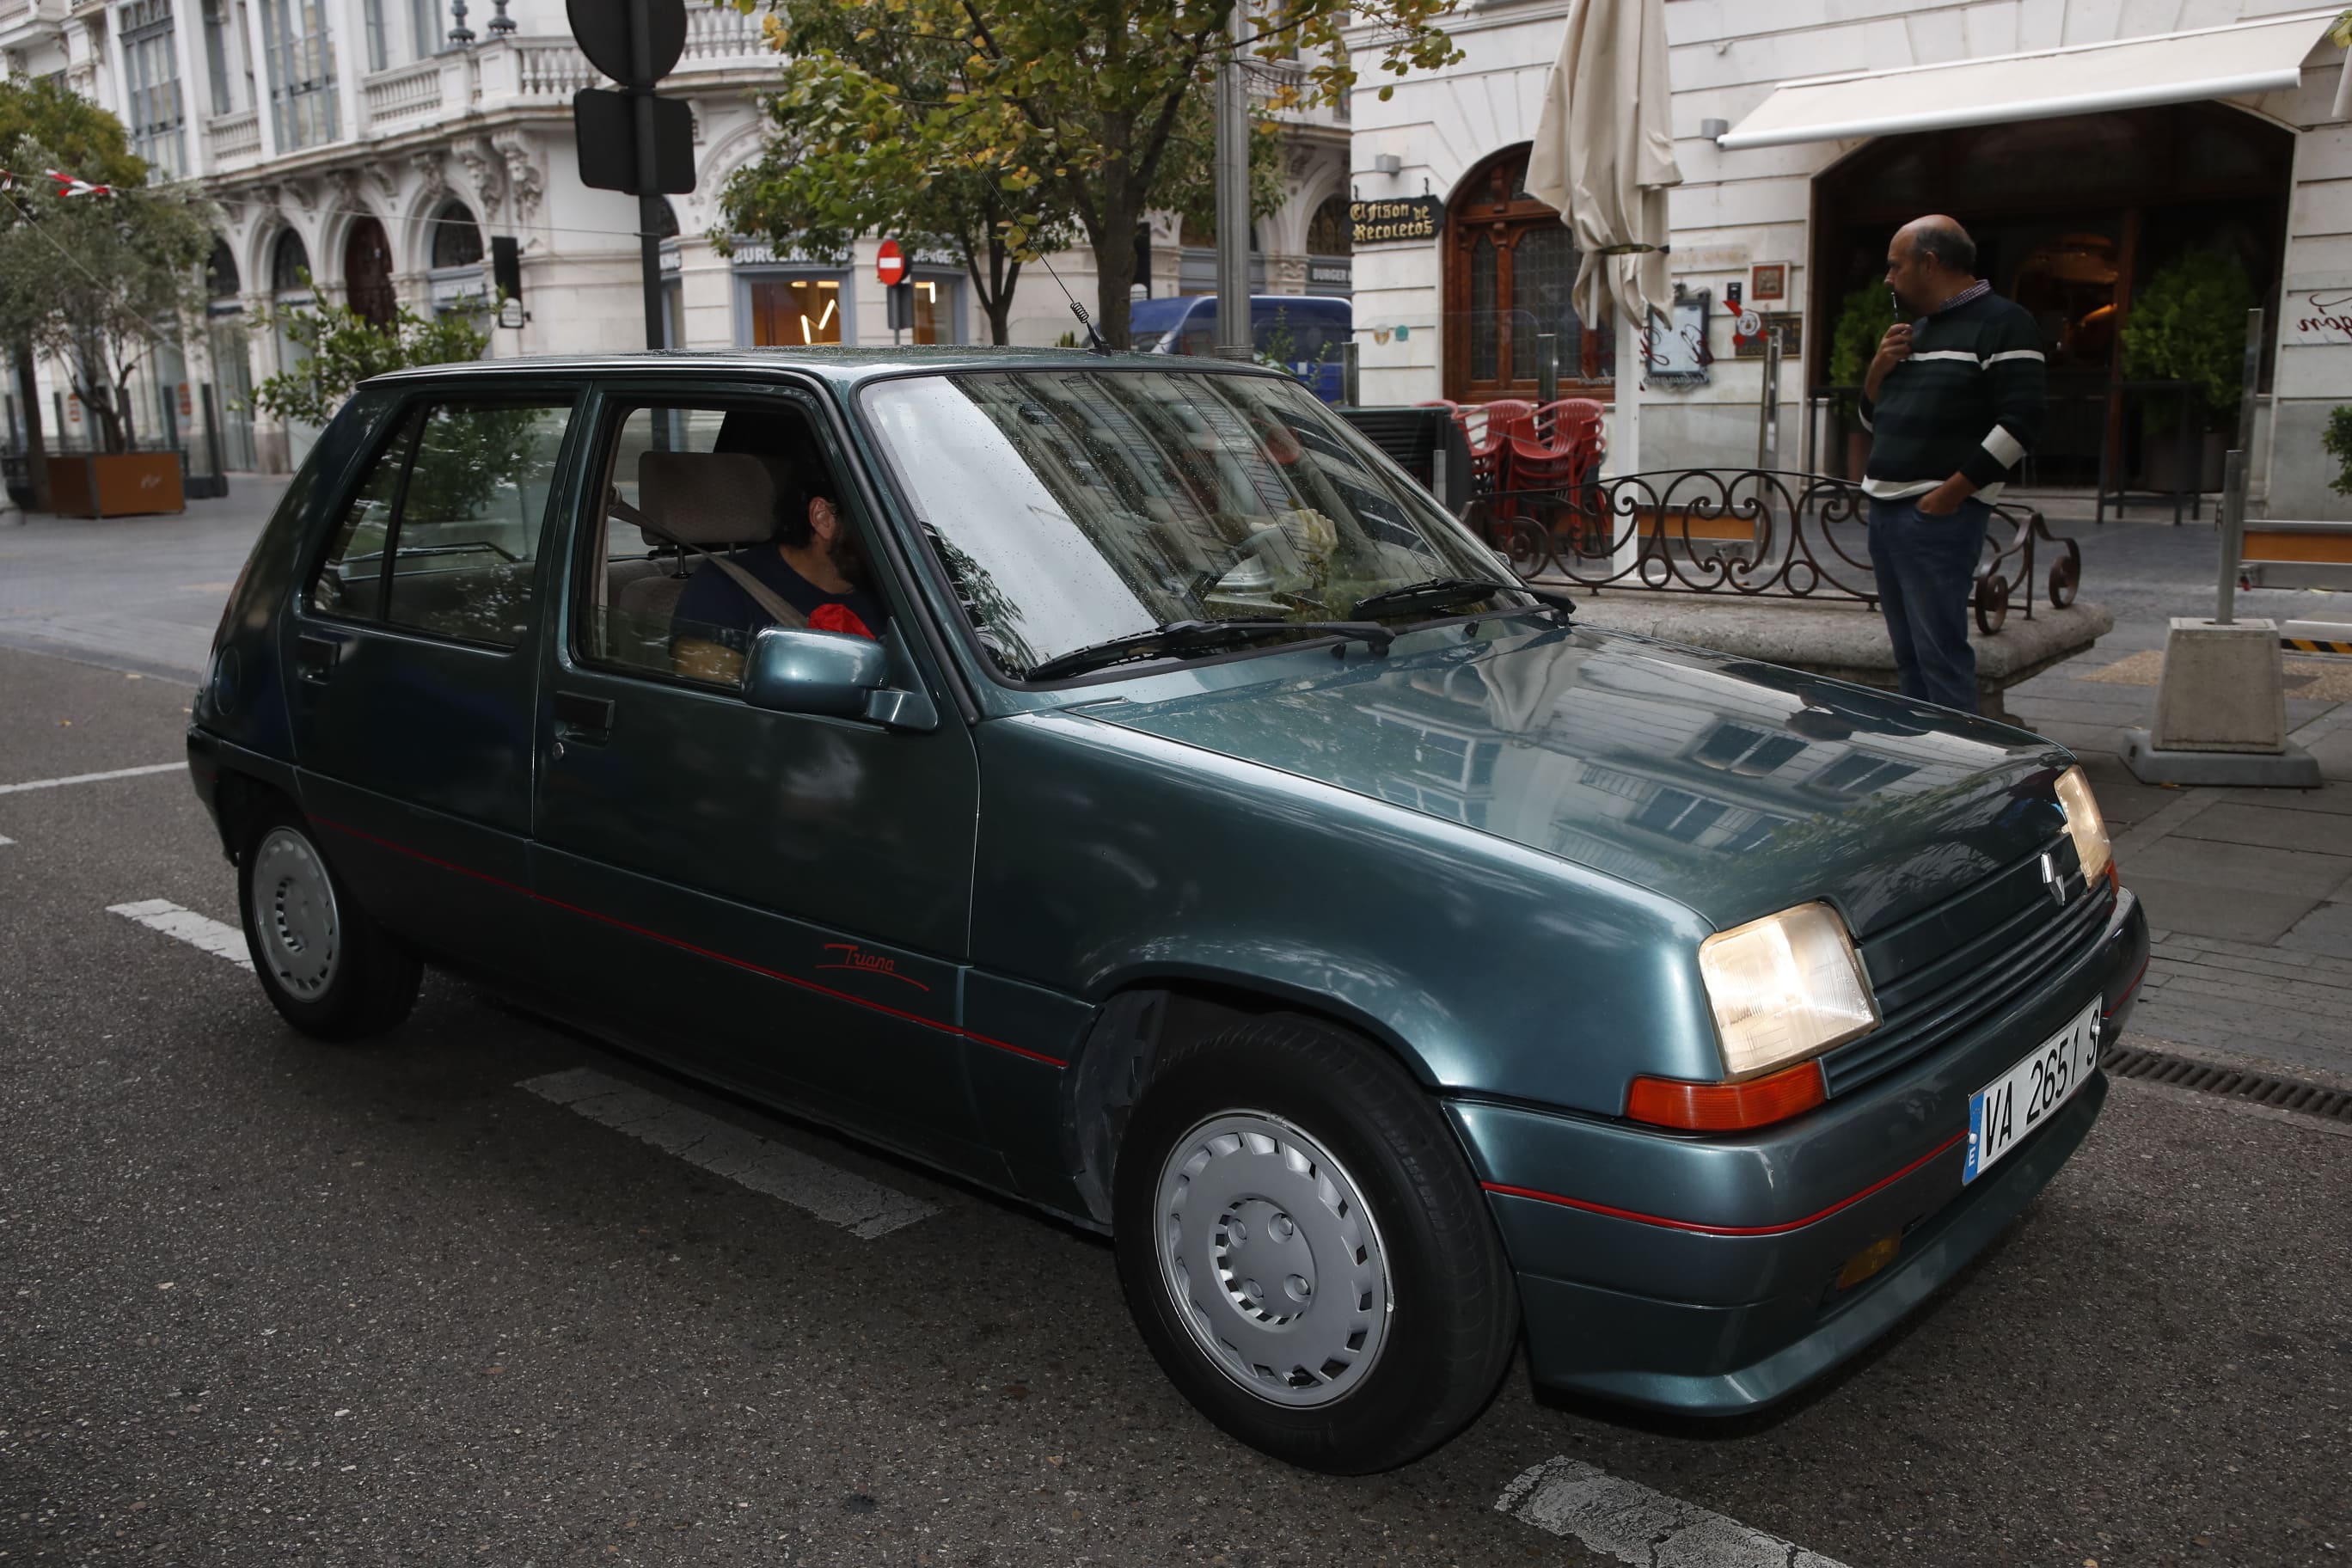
(1946, 499)
(1893, 350)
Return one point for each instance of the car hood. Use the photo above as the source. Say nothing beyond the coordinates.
(1735, 788)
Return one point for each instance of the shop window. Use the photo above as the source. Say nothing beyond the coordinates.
(1327, 232)
(457, 238)
(793, 313)
(288, 260)
(934, 313)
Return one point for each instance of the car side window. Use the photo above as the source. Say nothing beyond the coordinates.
(682, 483)
(441, 535)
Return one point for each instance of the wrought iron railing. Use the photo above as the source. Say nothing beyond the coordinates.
(1748, 533)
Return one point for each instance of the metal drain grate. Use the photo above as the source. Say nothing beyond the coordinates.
(2260, 1088)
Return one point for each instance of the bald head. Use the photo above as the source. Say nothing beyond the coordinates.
(1931, 260)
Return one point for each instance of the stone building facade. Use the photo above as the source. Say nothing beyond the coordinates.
(2090, 144)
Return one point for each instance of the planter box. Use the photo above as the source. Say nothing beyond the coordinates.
(118, 484)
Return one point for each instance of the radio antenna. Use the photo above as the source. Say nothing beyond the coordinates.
(1094, 337)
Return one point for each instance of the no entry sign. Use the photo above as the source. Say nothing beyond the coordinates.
(889, 265)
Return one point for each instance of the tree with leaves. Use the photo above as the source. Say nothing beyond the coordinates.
(336, 348)
(816, 191)
(85, 140)
(99, 282)
(1092, 111)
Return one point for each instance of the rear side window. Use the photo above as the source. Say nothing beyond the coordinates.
(441, 534)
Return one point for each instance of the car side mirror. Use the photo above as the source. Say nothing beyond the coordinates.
(798, 671)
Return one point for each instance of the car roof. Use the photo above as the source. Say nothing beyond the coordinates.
(845, 365)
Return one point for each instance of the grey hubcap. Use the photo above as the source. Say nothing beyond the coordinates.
(1273, 1260)
(294, 908)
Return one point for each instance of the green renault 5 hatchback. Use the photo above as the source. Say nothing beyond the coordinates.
(1118, 785)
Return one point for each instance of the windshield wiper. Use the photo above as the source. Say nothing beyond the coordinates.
(1199, 637)
(1438, 591)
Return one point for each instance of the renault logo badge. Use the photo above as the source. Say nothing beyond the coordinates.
(2050, 877)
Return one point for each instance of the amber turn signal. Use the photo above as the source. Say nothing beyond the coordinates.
(1727, 1106)
(1868, 1261)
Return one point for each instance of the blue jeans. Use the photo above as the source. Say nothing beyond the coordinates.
(1926, 570)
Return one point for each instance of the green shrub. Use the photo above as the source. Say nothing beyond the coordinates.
(2338, 442)
(1863, 320)
(2190, 324)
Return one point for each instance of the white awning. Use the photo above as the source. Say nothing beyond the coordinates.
(2130, 73)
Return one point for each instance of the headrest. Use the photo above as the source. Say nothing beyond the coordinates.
(708, 497)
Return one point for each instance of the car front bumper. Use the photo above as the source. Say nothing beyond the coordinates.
(1700, 1275)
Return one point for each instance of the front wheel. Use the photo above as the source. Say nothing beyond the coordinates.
(328, 967)
(1305, 1251)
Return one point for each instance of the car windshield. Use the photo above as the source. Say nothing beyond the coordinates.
(1072, 506)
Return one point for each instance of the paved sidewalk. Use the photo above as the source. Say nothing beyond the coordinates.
(135, 593)
(2249, 892)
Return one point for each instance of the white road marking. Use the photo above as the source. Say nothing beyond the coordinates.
(8, 841)
(92, 778)
(196, 930)
(864, 1208)
(1628, 1521)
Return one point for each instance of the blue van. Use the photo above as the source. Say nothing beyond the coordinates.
(1302, 332)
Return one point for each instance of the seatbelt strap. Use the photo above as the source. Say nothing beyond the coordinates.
(767, 598)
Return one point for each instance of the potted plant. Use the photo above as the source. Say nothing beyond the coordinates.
(97, 281)
(1863, 320)
(2188, 324)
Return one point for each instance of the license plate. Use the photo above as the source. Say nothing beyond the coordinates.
(2003, 1112)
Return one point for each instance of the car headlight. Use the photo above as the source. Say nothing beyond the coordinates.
(1783, 988)
(2084, 826)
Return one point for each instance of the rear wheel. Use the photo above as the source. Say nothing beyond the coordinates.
(328, 967)
(1305, 1251)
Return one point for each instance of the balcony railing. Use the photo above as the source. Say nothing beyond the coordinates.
(714, 34)
(1745, 534)
(231, 139)
(553, 70)
(404, 93)
(1268, 78)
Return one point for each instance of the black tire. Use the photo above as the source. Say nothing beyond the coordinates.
(1451, 1310)
(328, 967)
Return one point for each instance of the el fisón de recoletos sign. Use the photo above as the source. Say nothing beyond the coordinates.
(1405, 219)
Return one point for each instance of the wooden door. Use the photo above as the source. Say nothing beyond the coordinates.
(1511, 266)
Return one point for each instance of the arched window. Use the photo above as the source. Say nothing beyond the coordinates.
(1327, 232)
(667, 226)
(457, 238)
(220, 273)
(288, 260)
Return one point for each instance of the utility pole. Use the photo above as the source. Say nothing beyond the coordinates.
(645, 68)
(1233, 194)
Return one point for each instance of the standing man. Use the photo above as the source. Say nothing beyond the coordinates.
(1952, 401)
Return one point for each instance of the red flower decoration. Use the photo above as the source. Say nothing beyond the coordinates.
(838, 618)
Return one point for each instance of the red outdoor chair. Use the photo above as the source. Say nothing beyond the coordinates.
(1570, 410)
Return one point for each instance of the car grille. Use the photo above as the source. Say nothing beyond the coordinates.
(1965, 960)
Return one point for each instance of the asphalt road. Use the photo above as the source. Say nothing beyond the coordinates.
(263, 1301)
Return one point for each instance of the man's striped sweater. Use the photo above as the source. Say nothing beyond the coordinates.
(1968, 401)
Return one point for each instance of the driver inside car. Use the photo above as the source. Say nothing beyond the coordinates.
(814, 564)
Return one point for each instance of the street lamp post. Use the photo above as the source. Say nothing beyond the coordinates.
(1233, 195)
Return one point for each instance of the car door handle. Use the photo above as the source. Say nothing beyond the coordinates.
(581, 718)
(315, 656)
